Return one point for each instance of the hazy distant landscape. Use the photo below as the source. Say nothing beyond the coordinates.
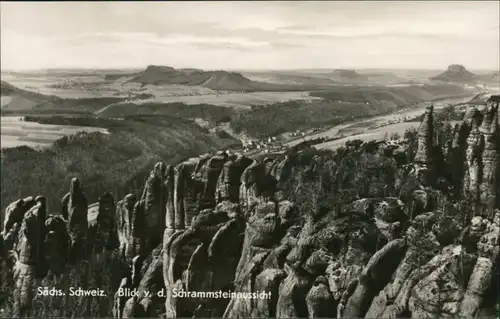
(334, 96)
(291, 100)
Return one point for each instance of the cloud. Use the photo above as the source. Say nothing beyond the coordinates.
(172, 39)
(246, 34)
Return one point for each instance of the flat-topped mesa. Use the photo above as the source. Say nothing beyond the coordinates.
(426, 137)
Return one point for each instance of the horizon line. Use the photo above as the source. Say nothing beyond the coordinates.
(17, 70)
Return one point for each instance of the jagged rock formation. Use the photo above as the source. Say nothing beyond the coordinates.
(153, 202)
(375, 239)
(57, 245)
(482, 161)
(425, 156)
(127, 226)
(28, 251)
(75, 209)
(490, 129)
(103, 232)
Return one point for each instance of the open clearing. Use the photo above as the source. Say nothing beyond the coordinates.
(376, 134)
(15, 132)
(233, 99)
(377, 124)
(96, 86)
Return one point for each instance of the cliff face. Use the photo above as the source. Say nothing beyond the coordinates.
(357, 233)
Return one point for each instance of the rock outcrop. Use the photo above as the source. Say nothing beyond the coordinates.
(490, 129)
(153, 201)
(425, 156)
(75, 210)
(126, 225)
(482, 156)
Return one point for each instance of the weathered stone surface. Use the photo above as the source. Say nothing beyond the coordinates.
(75, 207)
(320, 302)
(169, 190)
(14, 213)
(57, 244)
(228, 185)
(474, 160)
(124, 225)
(214, 167)
(28, 253)
(154, 199)
(148, 301)
(10, 238)
(185, 197)
(119, 300)
(292, 296)
(253, 183)
(103, 233)
(24, 289)
(426, 137)
(490, 129)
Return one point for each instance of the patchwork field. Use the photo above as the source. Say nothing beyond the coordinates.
(376, 126)
(97, 86)
(16, 132)
(235, 100)
(375, 134)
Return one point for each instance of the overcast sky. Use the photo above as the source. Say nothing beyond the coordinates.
(250, 35)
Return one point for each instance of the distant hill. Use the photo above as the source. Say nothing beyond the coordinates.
(347, 74)
(456, 73)
(118, 162)
(215, 80)
(338, 105)
(16, 101)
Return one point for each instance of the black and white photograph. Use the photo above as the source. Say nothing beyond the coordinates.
(250, 159)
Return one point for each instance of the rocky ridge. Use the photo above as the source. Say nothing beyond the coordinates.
(368, 231)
